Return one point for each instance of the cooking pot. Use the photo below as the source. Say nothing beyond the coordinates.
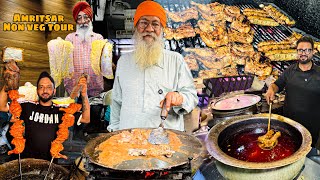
(232, 168)
(32, 169)
(191, 148)
(233, 105)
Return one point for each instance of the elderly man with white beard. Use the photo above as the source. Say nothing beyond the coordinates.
(148, 76)
(81, 40)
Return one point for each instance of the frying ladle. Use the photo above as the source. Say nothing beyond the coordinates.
(269, 140)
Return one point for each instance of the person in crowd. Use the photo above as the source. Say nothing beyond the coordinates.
(301, 82)
(82, 40)
(150, 76)
(41, 119)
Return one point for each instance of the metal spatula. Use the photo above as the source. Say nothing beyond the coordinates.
(159, 136)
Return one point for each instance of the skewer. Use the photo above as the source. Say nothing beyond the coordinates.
(269, 121)
(49, 168)
(20, 170)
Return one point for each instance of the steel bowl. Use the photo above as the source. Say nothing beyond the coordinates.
(232, 168)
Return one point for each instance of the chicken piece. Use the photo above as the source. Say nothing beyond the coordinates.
(160, 150)
(55, 150)
(67, 120)
(184, 31)
(191, 60)
(217, 8)
(15, 109)
(203, 8)
(229, 71)
(183, 16)
(72, 108)
(62, 135)
(233, 13)
(282, 55)
(235, 36)
(137, 152)
(200, 51)
(205, 25)
(207, 74)
(253, 66)
(278, 16)
(239, 60)
(242, 50)
(276, 47)
(168, 33)
(255, 12)
(19, 144)
(17, 129)
(241, 27)
(263, 21)
(317, 46)
(213, 41)
(269, 140)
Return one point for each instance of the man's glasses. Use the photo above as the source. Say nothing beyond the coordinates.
(85, 18)
(306, 51)
(144, 24)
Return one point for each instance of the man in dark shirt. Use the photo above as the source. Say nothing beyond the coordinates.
(41, 119)
(301, 82)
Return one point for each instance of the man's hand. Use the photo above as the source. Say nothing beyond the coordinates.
(172, 99)
(80, 87)
(270, 95)
(83, 85)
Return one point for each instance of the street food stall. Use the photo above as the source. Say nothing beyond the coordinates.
(234, 50)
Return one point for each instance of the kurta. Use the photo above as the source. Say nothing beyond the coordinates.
(137, 93)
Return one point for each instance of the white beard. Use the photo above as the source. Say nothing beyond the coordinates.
(84, 31)
(147, 54)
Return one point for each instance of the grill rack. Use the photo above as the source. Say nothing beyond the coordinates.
(217, 86)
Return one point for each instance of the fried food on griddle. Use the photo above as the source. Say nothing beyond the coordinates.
(131, 145)
(240, 26)
(278, 16)
(183, 16)
(263, 21)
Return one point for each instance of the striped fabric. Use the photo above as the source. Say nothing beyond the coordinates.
(81, 62)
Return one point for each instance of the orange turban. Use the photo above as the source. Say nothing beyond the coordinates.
(150, 8)
(81, 6)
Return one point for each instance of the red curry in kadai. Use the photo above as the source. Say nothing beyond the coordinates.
(244, 146)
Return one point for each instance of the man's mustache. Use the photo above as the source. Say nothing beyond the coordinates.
(83, 25)
(149, 34)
